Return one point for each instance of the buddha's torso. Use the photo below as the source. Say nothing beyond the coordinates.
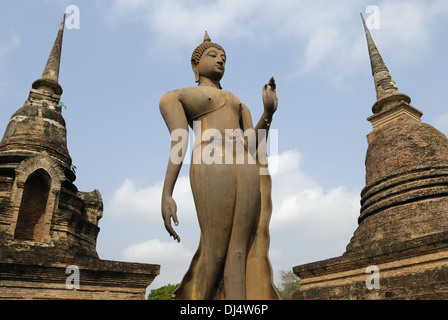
(214, 108)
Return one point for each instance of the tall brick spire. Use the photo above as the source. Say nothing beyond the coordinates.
(406, 170)
(50, 76)
(38, 125)
(384, 85)
(403, 222)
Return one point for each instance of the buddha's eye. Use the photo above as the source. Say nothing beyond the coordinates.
(212, 54)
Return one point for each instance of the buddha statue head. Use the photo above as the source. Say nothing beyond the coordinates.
(214, 66)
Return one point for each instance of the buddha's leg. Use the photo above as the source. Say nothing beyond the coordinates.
(259, 278)
(214, 191)
(247, 208)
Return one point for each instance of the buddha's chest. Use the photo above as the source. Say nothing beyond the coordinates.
(203, 100)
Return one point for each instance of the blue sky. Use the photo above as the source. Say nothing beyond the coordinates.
(127, 54)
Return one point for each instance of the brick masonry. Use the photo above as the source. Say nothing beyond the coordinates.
(33, 275)
(403, 223)
(46, 223)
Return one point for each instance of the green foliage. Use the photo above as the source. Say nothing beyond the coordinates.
(163, 293)
(62, 105)
(289, 283)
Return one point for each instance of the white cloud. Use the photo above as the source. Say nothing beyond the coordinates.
(308, 223)
(302, 204)
(143, 204)
(317, 215)
(181, 22)
(406, 27)
(326, 36)
(156, 250)
(170, 255)
(131, 201)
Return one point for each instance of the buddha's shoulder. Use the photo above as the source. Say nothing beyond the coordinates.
(179, 93)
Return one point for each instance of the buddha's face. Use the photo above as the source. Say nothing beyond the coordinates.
(212, 64)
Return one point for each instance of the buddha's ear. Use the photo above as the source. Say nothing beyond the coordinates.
(196, 73)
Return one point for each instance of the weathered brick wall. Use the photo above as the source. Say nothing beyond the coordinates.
(403, 223)
(422, 276)
(37, 126)
(5, 204)
(399, 224)
(402, 144)
(33, 265)
(31, 276)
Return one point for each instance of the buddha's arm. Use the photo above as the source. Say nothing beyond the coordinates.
(270, 103)
(176, 121)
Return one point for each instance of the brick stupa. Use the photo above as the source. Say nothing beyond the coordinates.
(403, 224)
(46, 224)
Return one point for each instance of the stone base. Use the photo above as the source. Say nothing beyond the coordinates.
(414, 270)
(27, 276)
